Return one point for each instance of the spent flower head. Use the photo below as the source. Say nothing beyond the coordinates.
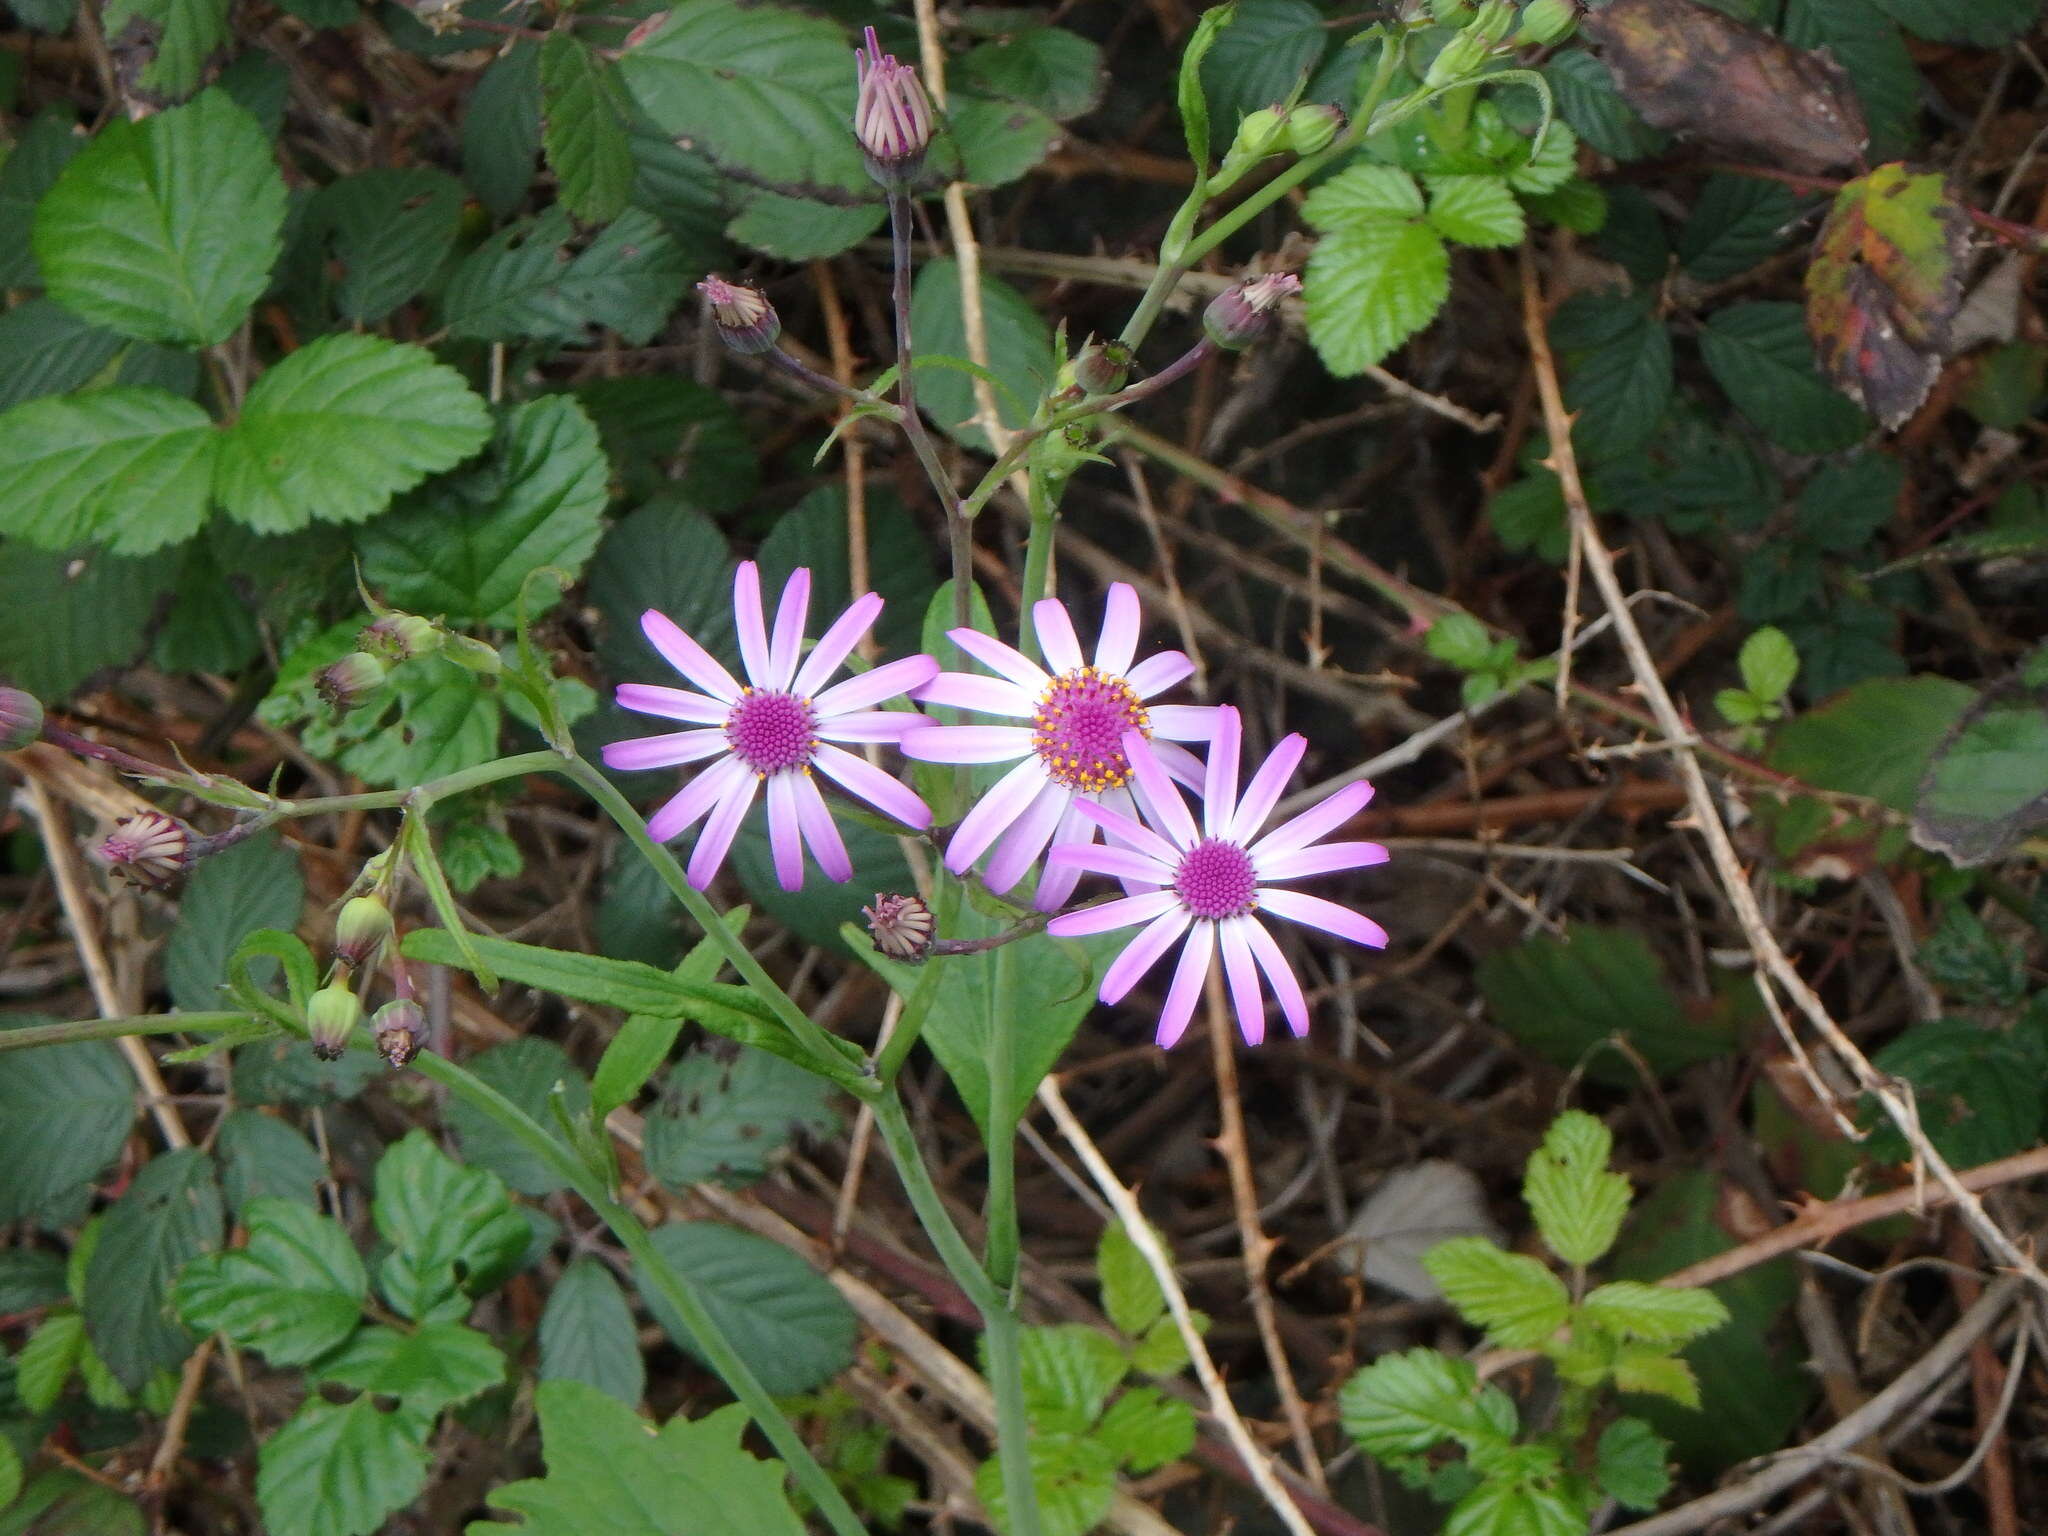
(1205, 886)
(401, 1029)
(345, 683)
(900, 925)
(150, 849)
(1240, 315)
(746, 321)
(398, 637)
(773, 730)
(891, 117)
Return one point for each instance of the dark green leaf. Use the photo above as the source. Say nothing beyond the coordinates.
(65, 617)
(1759, 353)
(813, 534)
(726, 1112)
(1019, 349)
(1986, 23)
(40, 153)
(1736, 222)
(64, 1112)
(452, 1230)
(338, 1469)
(665, 433)
(1845, 504)
(294, 1292)
(802, 228)
(587, 1335)
(1587, 99)
(1620, 380)
(1630, 1465)
(994, 142)
(1872, 53)
(47, 350)
(1986, 785)
(30, 1278)
(526, 1072)
(1055, 70)
(1271, 47)
(170, 1215)
(434, 1367)
(669, 557)
(501, 128)
(62, 1503)
(1876, 739)
(540, 279)
(784, 1318)
(168, 41)
(584, 110)
(255, 884)
(262, 1157)
(390, 230)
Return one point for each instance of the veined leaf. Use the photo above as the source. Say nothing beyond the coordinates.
(784, 1318)
(526, 1072)
(64, 1112)
(1405, 1404)
(725, 1116)
(539, 279)
(255, 884)
(338, 1469)
(1656, 1314)
(1760, 354)
(453, 1231)
(1578, 1204)
(1370, 287)
(390, 229)
(585, 113)
(435, 1366)
(1475, 210)
(40, 153)
(174, 39)
(293, 1292)
(171, 1214)
(1516, 1299)
(587, 1334)
(129, 468)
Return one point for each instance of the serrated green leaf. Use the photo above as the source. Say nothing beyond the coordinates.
(1629, 1464)
(47, 350)
(30, 1278)
(1509, 1508)
(165, 229)
(1735, 223)
(1406, 1404)
(813, 534)
(339, 427)
(1162, 1351)
(1588, 100)
(40, 153)
(501, 128)
(1257, 61)
(261, 1157)
(587, 1334)
(1372, 285)
(128, 468)
(1986, 23)
(1845, 504)
(526, 1072)
(1768, 664)
(1977, 1090)
(255, 884)
(1737, 707)
(1057, 71)
(1873, 56)
(539, 279)
(452, 1230)
(435, 1366)
(785, 1319)
(1578, 1204)
(1459, 640)
(726, 1112)
(1516, 1299)
(584, 112)
(1130, 1291)
(389, 230)
(338, 1469)
(1656, 1314)
(1019, 346)
(1145, 1429)
(64, 1112)
(801, 228)
(1073, 1477)
(170, 41)
(294, 1292)
(1362, 194)
(1641, 1368)
(1759, 353)
(1069, 1370)
(1619, 380)
(1552, 166)
(604, 1465)
(170, 1215)
(48, 1359)
(1475, 210)
(993, 142)
(1579, 206)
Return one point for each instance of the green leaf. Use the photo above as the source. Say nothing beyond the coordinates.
(1736, 222)
(666, 556)
(64, 1112)
(1406, 1404)
(1844, 505)
(390, 229)
(526, 1072)
(1985, 786)
(1768, 664)
(1073, 1477)
(293, 1292)
(1618, 354)
(1130, 1291)
(338, 1469)
(40, 153)
(726, 1111)
(452, 1230)
(339, 427)
(1146, 1429)
(30, 1278)
(47, 350)
(813, 534)
(784, 1318)
(170, 41)
(1552, 167)
(62, 1503)
(1876, 739)
(1475, 210)
(1516, 1299)
(1759, 353)
(261, 1157)
(1977, 1090)
(1873, 55)
(48, 1360)
(801, 229)
(1257, 61)
(255, 884)
(465, 550)
(1459, 640)
(1578, 1204)
(435, 1366)
(1630, 1464)
(607, 1471)
(129, 468)
(501, 128)
(1372, 285)
(1162, 1351)
(1019, 349)
(585, 111)
(1643, 1368)
(10, 1473)
(540, 279)
(587, 1334)
(1069, 1370)
(1588, 100)
(166, 229)
(285, 1071)
(170, 1215)
(643, 1042)
(1580, 206)
(1986, 23)
(1362, 194)
(1656, 1314)
(1190, 97)
(994, 142)
(1057, 71)
(1513, 1509)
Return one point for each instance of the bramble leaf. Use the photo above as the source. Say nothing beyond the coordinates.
(1516, 1299)
(433, 1367)
(1630, 1464)
(585, 112)
(1146, 1429)
(1405, 1404)
(294, 1291)
(1475, 210)
(727, 1111)
(1130, 1291)
(1768, 664)
(587, 1333)
(1759, 353)
(1578, 1204)
(453, 1232)
(171, 1214)
(1370, 286)
(1656, 1314)
(131, 468)
(338, 1469)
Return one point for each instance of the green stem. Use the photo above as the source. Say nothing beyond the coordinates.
(1045, 513)
(74, 1030)
(663, 1278)
(1000, 1211)
(1013, 1421)
(960, 537)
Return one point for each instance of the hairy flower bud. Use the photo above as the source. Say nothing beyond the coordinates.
(1101, 367)
(901, 926)
(1312, 128)
(401, 1030)
(891, 117)
(364, 923)
(1239, 316)
(399, 637)
(149, 850)
(1463, 54)
(1547, 21)
(21, 719)
(331, 1017)
(344, 683)
(746, 321)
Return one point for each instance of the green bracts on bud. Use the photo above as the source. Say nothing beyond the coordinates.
(472, 655)
(21, 719)
(399, 637)
(1547, 21)
(1312, 128)
(331, 1017)
(364, 923)
(1102, 367)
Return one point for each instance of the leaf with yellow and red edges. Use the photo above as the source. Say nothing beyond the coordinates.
(1884, 285)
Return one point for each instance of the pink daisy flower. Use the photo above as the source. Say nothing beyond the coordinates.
(1212, 881)
(1068, 744)
(773, 730)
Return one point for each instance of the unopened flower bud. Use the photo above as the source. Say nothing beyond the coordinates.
(364, 923)
(901, 926)
(148, 850)
(331, 1017)
(891, 117)
(1239, 316)
(746, 321)
(343, 684)
(1258, 134)
(1547, 21)
(1311, 129)
(1463, 54)
(401, 1030)
(399, 637)
(21, 719)
(1101, 367)
(1450, 13)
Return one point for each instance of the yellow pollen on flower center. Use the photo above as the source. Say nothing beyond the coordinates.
(1079, 725)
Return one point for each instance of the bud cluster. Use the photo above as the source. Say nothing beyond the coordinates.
(21, 719)
(390, 641)
(1308, 128)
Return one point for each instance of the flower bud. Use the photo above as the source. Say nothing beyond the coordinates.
(1450, 13)
(747, 322)
(1258, 134)
(472, 655)
(891, 117)
(1311, 129)
(331, 1017)
(1239, 316)
(344, 683)
(1101, 367)
(21, 719)
(1463, 54)
(149, 850)
(399, 637)
(401, 1030)
(901, 926)
(1547, 21)
(365, 922)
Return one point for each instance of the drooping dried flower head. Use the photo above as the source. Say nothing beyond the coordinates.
(345, 683)
(149, 850)
(401, 1030)
(1239, 316)
(746, 321)
(891, 117)
(901, 926)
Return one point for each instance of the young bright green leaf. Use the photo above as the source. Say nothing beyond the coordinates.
(1552, 167)
(727, 1111)
(606, 1471)
(1475, 210)
(1069, 1371)
(1130, 1291)
(1738, 707)
(339, 1469)
(165, 229)
(339, 427)
(1760, 354)
(787, 1322)
(452, 1230)
(435, 1366)
(1405, 1404)
(526, 1071)
(1460, 640)
(1656, 1314)
(585, 112)
(1517, 1300)
(64, 1112)
(538, 279)
(1630, 1466)
(294, 1291)
(587, 1333)
(1362, 194)
(1073, 1476)
(170, 1215)
(129, 468)
(1648, 1368)
(1371, 286)
(1146, 1429)
(1578, 1204)
(255, 884)
(1162, 1351)
(1768, 664)
(1508, 1508)
(262, 1157)
(48, 1359)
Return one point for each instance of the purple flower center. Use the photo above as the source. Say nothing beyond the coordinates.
(772, 732)
(1079, 729)
(1216, 880)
